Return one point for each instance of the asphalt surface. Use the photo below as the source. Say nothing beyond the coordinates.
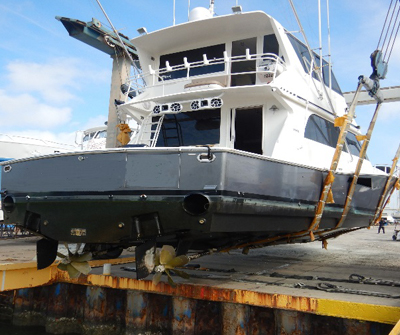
(296, 269)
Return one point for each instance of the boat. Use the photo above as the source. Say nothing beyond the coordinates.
(16, 147)
(238, 133)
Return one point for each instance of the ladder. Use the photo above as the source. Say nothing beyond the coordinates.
(149, 131)
(172, 131)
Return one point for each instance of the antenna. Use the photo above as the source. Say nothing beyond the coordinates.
(320, 34)
(329, 45)
(116, 33)
(173, 20)
(212, 7)
(312, 56)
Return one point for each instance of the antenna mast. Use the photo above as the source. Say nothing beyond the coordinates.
(318, 71)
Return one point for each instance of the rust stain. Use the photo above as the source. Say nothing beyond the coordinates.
(194, 291)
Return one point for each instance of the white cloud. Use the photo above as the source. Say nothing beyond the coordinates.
(55, 81)
(24, 110)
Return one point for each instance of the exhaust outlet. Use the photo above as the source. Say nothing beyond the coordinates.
(196, 204)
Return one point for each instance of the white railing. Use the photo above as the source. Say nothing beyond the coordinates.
(29, 140)
(269, 64)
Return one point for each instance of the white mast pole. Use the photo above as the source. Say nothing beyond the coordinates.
(318, 73)
(188, 9)
(320, 34)
(212, 7)
(329, 45)
(173, 20)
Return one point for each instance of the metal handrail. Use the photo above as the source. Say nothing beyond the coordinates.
(158, 80)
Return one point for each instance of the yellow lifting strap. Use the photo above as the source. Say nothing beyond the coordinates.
(123, 137)
(326, 194)
(357, 171)
(388, 191)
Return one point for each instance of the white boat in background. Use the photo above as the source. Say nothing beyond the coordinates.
(92, 138)
(16, 147)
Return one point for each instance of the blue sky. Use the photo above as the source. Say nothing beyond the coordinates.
(52, 85)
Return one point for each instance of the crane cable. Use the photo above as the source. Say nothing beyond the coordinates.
(390, 27)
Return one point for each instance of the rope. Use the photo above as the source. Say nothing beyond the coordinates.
(390, 30)
(384, 25)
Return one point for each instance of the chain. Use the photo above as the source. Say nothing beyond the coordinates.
(328, 287)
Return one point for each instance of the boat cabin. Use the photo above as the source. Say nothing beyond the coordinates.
(236, 81)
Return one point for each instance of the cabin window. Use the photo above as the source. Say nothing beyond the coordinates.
(190, 128)
(383, 168)
(248, 130)
(213, 53)
(102, 134)
(88, 137)
(271, 45)
(353, 145)
(305, 60)
(241, 65)
(322, 131)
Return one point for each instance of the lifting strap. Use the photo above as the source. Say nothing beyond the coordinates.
(388, 191)
(361, 158)
(326, 194)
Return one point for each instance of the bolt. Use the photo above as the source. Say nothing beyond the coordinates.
(121, 225)
(202, 221)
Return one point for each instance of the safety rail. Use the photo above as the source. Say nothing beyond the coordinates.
(266, 63)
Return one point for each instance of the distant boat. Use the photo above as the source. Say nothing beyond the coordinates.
(16, 147)
(234, 149)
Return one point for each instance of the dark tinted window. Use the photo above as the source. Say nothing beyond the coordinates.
(190, 128)
(322, 131)
(213, 52)
(271, 45)
(353, 144)
(305, 59)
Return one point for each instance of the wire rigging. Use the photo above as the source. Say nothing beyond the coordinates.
(390, 30)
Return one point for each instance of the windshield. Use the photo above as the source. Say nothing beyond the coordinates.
(190, 128)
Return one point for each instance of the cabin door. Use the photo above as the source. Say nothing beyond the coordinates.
(242, 65)
(248, 129)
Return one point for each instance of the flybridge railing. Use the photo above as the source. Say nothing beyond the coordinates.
(268, 65)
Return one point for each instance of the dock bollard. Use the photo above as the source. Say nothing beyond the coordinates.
(107, 269)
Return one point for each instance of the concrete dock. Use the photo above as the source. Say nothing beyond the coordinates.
(351, 288)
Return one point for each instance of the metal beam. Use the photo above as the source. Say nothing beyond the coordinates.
(390, 94)
(96, 35)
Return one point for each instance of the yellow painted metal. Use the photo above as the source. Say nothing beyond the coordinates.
(16, 276)
(396, 329)
(325, 307)
(24, 275)
(358, 311)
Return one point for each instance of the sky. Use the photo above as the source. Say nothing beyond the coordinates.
(52, 85)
